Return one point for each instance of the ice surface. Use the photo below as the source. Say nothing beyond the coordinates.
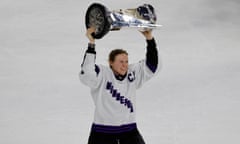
(194, 99)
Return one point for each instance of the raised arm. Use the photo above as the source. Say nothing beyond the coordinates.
(89, 70)
(152, 59)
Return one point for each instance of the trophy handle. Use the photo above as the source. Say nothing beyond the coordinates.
(97, 16)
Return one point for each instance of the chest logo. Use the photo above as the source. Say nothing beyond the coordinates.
(118, 97)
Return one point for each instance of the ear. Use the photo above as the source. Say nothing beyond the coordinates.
(110, 63)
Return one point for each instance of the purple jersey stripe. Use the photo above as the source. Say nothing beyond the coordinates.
(113, 129)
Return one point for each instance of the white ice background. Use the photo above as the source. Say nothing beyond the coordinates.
(195, 99)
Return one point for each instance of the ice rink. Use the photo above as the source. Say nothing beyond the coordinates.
(195, 98)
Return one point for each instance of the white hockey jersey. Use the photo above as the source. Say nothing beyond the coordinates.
(115, 100)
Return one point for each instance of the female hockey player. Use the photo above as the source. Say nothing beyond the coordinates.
(113, 89)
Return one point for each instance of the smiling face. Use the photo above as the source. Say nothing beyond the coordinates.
(118, 61)
(120, 64)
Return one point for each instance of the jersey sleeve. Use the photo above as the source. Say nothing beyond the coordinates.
(90, 73)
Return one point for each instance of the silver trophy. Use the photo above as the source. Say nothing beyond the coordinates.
(143, 18)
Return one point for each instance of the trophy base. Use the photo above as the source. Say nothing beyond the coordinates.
(97, 16)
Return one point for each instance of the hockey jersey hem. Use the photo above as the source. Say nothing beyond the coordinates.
(113, 129)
